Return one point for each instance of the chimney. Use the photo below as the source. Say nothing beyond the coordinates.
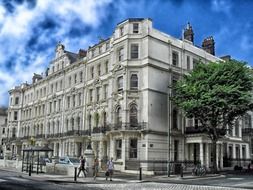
(188, 33)
(82, 53)
(208, 45)
(36, 77)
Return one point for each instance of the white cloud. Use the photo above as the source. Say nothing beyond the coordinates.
(18, 27)
(221, 6)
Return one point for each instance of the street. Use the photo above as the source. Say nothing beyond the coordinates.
(15, 180)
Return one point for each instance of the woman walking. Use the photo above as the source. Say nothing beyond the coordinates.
(95, 168)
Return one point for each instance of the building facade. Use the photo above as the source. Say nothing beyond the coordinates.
(3, 130)
(116, 95)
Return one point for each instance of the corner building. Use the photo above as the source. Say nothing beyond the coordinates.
(117, 95)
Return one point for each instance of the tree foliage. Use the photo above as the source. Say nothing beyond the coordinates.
(216, 94)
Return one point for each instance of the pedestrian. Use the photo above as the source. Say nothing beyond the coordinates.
(82, 166)
(95, 168)
(110, 168)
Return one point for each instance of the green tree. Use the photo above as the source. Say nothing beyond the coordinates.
(215, 94)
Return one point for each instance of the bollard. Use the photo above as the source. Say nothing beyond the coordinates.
(30, 170)
(140, 176)
(169, 170)
(75, 174)
(181, 171)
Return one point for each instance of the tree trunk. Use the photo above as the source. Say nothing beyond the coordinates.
(214, 145)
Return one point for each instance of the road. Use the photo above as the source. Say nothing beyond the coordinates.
(11, 181)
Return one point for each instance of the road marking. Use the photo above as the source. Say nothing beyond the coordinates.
(2, 180)
(235, 178)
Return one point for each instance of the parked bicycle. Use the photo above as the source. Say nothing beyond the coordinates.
(199, 170)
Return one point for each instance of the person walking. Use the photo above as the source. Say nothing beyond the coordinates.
(82, 166)
(95, 168)
(110, 168)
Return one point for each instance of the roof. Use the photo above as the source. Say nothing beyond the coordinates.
(38, 148)
(3, 111)
(133, 20)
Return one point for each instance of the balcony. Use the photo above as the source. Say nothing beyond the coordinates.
(127, 127)
(198, 130)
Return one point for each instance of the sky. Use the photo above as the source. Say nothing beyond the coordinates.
(30, 29)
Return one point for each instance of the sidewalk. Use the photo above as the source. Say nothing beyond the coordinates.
(118, 177)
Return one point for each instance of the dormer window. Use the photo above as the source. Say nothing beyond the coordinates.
(121, 31)
(93, 53)
(135, 28)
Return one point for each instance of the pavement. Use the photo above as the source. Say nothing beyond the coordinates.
(118, 177)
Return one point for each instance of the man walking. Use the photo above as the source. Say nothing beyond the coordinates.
(82, 167)
(110, 168)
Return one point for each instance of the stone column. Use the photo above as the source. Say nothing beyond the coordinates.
(221, 156)
(123, 153)
(234, 151)
(201, 153)
(55, 149)
(207, 155)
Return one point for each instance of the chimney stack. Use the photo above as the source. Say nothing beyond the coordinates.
(188, 33)
(208, 45)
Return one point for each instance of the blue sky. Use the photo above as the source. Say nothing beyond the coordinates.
(30, 29)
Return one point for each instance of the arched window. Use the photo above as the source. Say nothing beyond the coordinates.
(134, 82)
(174, 119)
(118, 116)
(133, 118)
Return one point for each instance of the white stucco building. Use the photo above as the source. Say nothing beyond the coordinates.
(117, 94)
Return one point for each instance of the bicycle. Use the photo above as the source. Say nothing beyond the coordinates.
(199, 170)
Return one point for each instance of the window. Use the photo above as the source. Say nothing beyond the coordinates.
(59, 104)
(247, 121)
(106, 67)
(121, 54)
(119, 116)
(3, 132)
(81, 76)
(195, 63)
(107, 45)
(68, 102)
(118, 148)
(90, 93)
(196, 123)
(98, 93)
(134, 82)
(55, 105)
(50, 107)
(133, 148)
(174, 119)
(69, 80)
(104, 117)
(80, 99)
(121, 31)
(52, 88)
(92, 72)
(251, 144)
(105, 91)
(15, 116)
(133, 116)
(93, 53)
(75, 78)
(237, 128)
(56, 86)
(120, 83)
(99, 69)
(134, 51)
(16, 100)
(188, 63)
(174, 58)
(79, 123)
(176, 142)
(135, 28)
(74, 100)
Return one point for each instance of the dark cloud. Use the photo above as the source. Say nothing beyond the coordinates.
(11, 5)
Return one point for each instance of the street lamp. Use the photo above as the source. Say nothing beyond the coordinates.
(169, 129)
